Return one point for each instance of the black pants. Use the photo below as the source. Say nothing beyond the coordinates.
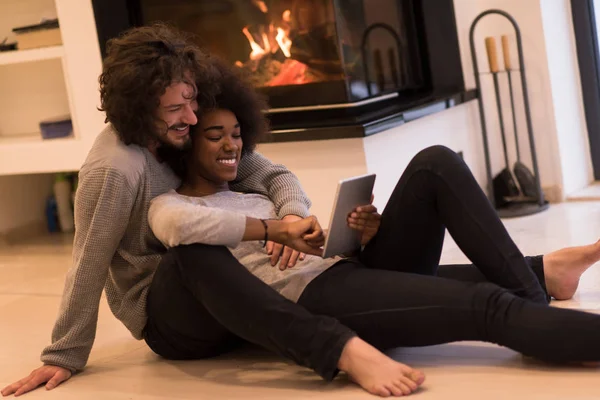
(201, 300)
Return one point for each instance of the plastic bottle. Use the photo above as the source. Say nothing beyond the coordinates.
(51, 217)
(62, 193)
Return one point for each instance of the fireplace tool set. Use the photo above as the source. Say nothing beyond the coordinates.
(517, 191)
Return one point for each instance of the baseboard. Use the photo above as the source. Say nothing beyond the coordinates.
(553, 193)
(23, 232)
(589, 193)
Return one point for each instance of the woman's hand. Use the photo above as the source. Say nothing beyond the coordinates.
(366, 220)
(287, 255)
(47, 373)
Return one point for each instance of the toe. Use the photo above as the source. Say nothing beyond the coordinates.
(417, 376)
(409, 383)
(395, 389)
(406, 390)
(381, 391)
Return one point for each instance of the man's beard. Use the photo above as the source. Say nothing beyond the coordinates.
(175, 157)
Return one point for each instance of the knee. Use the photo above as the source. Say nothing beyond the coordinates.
(439, 156)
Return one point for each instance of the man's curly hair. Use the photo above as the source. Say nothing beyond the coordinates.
(236, 94)
(139, 66)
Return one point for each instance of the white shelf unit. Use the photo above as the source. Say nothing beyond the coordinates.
(23, 56)
(68, 83)
(31, 154)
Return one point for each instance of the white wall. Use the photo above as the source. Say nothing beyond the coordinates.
(389, 153)
(571, 130)
(319, 165)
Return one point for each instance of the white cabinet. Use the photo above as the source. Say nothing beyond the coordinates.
(48, 82)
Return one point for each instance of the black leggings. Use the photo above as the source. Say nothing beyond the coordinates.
(395, 295)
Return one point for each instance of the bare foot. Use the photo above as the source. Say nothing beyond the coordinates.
(377, 373)
(564, 267)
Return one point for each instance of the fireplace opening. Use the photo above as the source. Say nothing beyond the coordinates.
(305, 52)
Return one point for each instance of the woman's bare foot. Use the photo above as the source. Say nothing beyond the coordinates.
(377, 373)
(564, 267)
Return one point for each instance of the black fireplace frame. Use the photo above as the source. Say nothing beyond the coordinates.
(440, 60)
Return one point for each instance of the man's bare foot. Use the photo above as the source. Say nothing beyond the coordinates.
(377, 373)
(564, 267)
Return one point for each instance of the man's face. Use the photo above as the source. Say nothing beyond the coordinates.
(177, 109)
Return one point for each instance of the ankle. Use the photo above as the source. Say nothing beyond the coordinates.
(348, 353)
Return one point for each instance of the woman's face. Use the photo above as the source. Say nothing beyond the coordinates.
(217, 146)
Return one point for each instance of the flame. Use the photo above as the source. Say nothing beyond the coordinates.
(257, 51)
(282, 38)
(261, 5)
(266, 43)
(285, 44)
(287, 16)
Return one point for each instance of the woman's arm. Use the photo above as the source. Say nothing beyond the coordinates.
(176, 221)
(257, 174)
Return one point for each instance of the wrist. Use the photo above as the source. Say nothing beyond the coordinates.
(277, 231)
(291, 218)
(294, 208)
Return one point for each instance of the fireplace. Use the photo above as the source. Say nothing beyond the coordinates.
(333, 62)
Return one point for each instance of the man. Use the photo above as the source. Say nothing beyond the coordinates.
(151, 82)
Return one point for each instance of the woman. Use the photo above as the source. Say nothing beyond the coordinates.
(393, 293)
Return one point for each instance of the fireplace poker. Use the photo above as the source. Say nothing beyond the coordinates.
(523, 174)
(505, 185)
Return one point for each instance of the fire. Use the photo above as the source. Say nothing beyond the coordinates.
(287, 16)
(257, 51)
(282, 39)
(268, 68)
(284, 42)
(261, 6)
(266, 43)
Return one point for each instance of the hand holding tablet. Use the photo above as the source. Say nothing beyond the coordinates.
(351, 193)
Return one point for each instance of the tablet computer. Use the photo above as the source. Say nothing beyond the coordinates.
(351, 193)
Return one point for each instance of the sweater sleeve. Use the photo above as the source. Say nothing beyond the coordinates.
(256, 174)
(176, 221)
(103, 206)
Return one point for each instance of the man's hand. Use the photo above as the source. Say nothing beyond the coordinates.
(288, 256)
(305, 235)
(366, 220)
(47, 373)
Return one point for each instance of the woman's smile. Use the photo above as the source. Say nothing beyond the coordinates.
(228, 162)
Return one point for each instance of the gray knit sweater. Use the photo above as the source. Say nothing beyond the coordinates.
(220, 219)
(114, 248)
